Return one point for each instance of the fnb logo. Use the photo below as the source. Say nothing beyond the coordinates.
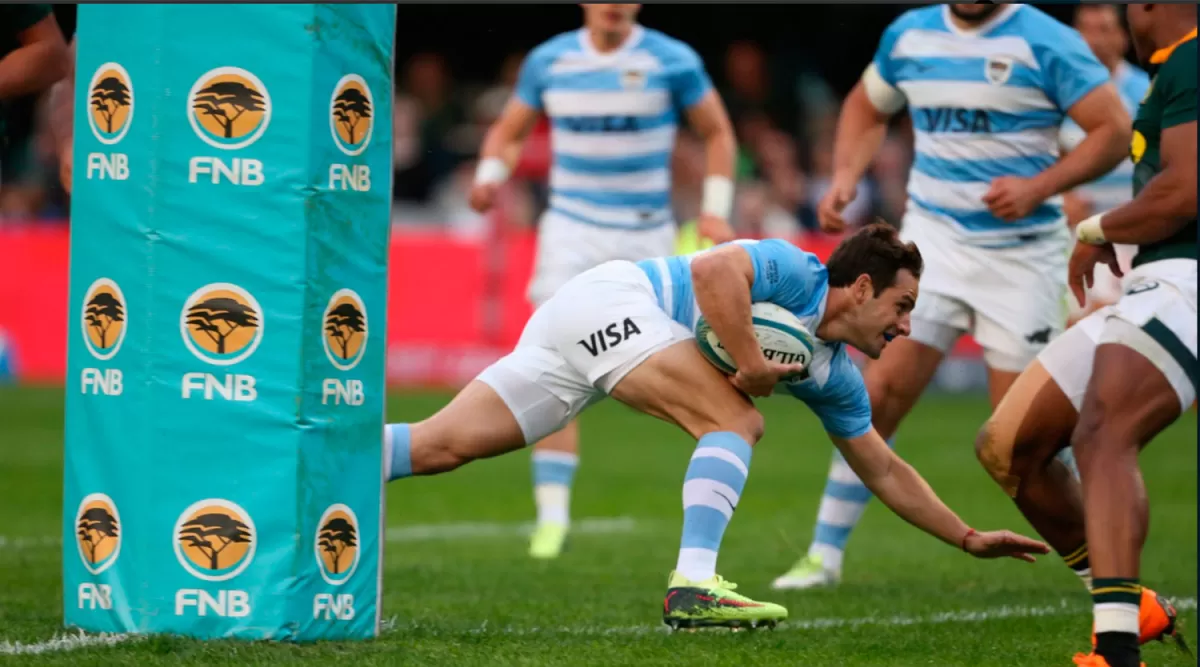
(111, 104)
(215, 539)
(98, 532)
(337, 551)
(229, 108)
(103, 318)
(221, 324)
(345, 340)
(351, 114)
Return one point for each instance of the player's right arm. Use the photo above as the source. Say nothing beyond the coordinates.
(861, 129)
(728, 279)
(845, 411)
(40, 60)
(502, 144)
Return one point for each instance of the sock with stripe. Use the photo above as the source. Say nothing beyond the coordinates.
(396, 447)
(553, 473)
(711, 490)
(1077, 560)
(1115, 605)
(842, 506)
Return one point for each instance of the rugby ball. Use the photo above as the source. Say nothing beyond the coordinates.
(781, 336)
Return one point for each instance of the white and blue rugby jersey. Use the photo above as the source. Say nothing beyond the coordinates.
(985, 103)
(1115, 187)
(789, 277)
(613, 121)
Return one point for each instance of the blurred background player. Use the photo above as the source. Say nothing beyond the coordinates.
(1100, 26)
(987, 87)
(614, 92)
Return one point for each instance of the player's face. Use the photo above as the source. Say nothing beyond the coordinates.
(1101, 28)
(888, 315)
(610, 18)
(973, 13)
(1140, 18)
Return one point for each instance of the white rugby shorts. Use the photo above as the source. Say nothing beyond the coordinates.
(1011, 300)
(579, 344)
(1156, 316)
(567, 248)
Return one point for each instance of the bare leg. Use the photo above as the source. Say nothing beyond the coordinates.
(1128, 402)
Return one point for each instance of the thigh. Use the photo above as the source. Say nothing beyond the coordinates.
(1031, 423)
(678, 385)
(541, 390)
(1068, 359)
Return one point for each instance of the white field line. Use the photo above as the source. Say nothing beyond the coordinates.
(1063, 608)
(418, 532)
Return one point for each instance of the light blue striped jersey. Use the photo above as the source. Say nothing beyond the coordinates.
(789, 277)
(985, 103)
(1115, 187)
(613, 121)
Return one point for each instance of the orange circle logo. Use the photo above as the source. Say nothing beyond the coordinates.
(345, 333)
(222, 323)
(98, 532)
(110, 103)
(103, 319)
(215, 539)
(352, 114)
(337, 544)
(229, 108)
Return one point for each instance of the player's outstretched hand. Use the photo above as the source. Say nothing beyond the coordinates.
(762, 381)
(482, 197)
(829, 209)
(1003, 544)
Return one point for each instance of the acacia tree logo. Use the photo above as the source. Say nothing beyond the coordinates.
(98, 532)
(337, 544)
(221, 323)
(215, 539)
(352, 114)
(229, 107)
(345, 323)
(103, 318)
(110, 99)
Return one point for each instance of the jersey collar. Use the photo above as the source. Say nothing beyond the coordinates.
(1160, 56)
(585, 42)
(1001, 15)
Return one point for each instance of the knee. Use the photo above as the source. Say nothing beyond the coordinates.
(748, 424)
(995, 453)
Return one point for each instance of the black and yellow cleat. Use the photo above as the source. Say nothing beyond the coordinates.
(713, 603)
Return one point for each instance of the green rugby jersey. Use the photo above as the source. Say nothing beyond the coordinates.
(1170, 101)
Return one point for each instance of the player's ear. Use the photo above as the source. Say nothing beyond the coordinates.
(863, 289)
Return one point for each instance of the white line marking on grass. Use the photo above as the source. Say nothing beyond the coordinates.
(68, 642)
(419, 532)
(1063, 608)
(392, 625)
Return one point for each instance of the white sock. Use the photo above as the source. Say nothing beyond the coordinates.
(1116, 617)
(831, 556)
(1085, 575)
(553, 503)
(697, 564)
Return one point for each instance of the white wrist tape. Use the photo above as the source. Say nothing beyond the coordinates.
(491, 170)
(1090, 232)
(718, 197)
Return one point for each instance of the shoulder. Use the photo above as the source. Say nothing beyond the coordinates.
(931, 17)
(669, 50)
(549, 50)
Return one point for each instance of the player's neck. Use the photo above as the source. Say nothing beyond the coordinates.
(833, 326)
(1170, 34)
(607, 41)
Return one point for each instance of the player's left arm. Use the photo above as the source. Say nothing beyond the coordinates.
(42, 57)
(845, 412)
(693, 91)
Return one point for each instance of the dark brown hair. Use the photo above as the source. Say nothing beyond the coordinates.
(877, 251)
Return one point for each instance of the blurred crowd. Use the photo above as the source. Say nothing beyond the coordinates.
(784, 124)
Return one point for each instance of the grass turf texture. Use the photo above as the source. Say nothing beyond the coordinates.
(482, 601)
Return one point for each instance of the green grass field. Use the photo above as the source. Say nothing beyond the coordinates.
(473, 597)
